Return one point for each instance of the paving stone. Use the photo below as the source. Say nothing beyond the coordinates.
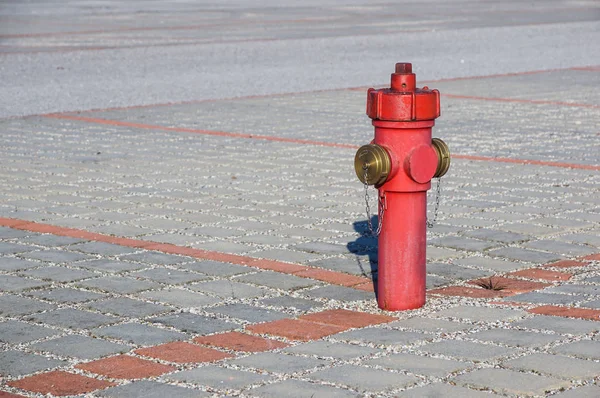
(66, 295)
(321, 248)
(380, 336)
(532, 256)
(105, 249)
(104, 265)
(588, 290)
(9, 233)
(566, 249)
(589, 391)
(118, 284)
(300, 389)
(287, 303)
(556, 365)
(183, 353)
(544, 298)
(10, 283)
(57, 256)
(51, 240)
(13, 248)
(441, 254)
(589, 239)
(127, 307)
(74, 319)
(480, 314)
(59, 383)
(150, 389)
(15, 264)
(215, 268)
(490, 263)
(587, 349)
(442, 390)
(334, 350)
(192, 323)
(125, 367)
(455, 272)
(340, 293)
(278, 363)
(248, 313)
(295, 257)
(227, 289)
(238, 341)
(57, 274)
(168, 276)
(364, 379)
(420, 365)
(139, 334)
(17, 363)
(343, 264)
(277, 280)
(460, 243)
(559, 325)
(180, 298)
(156, 258)
(504, 381)
(11, 305)
(218, 377)
(591, 304)
(15, 332)
(470, 351)
(82, 347)
(515, 338)
(432, 281)
(430, 325)
(497, 236)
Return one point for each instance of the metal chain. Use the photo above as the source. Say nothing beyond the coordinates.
(380, 207)
(438, 190)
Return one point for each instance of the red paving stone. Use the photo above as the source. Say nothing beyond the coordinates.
(335, 278)
(59, 383)
(367, 287)
(511, 286)
(181, 352)
(125, 367)
(593, 257)
(536, 273)
(570, 312)
(240, 342)
(347, 319)
(566, 264)
(4, 394)
(473, 292)
(296, 329)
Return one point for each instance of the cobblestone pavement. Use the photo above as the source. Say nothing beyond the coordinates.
(219, 247)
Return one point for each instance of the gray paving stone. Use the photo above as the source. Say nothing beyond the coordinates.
(420, 365)
(433, 282)
(442, 390)
(156, 258)
(215, 268)
(560, 325)
(380, 336)
(227, 289)
(460, 243)
(585, 238)
(140, 334)
(11, 305)
(14, 264)
(192, 323)
(364, 379)
(57, 256)
(441, 254)
(480, 314)
(10, 233)
(277, 280)
(515, 338)
(545, 298)
(105, 249)
(497, 236)
(218, 377)
(17, 363)
(11, 283)
(66, 295)
(73, 318)
(15, 332)
(429, 325)
(180, 298)
(455, 272)
(288, 256)
(118, 284)
(339, 293)
(344, 264)
(589, 391)
(334, 350)
(127, 307)
(504, 381)
(13, 248)
(490, 263)
(248, 313)
(291, 303)
(104, 265)
(57, 274)
(470, 351)
(168, 276)
(50, 240)
(83, 347)
(586, 290)
(300, 389)
(594, 304)
(150, 389)
(587, 349)
(532, 256)
(556, 365)
(321, 248)
(561, 248)
(278, 363)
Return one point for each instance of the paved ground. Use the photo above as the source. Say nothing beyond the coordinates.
(159, 237)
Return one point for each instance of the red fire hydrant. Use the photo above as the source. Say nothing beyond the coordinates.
(400, 162)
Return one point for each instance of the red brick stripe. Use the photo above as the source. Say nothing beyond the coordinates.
(569, 312)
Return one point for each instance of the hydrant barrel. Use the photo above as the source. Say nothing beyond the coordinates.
(406, 159)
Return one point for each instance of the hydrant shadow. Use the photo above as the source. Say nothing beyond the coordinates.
(365, 249)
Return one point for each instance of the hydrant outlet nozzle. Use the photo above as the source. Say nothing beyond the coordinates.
(443, 154)
(372, 164)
